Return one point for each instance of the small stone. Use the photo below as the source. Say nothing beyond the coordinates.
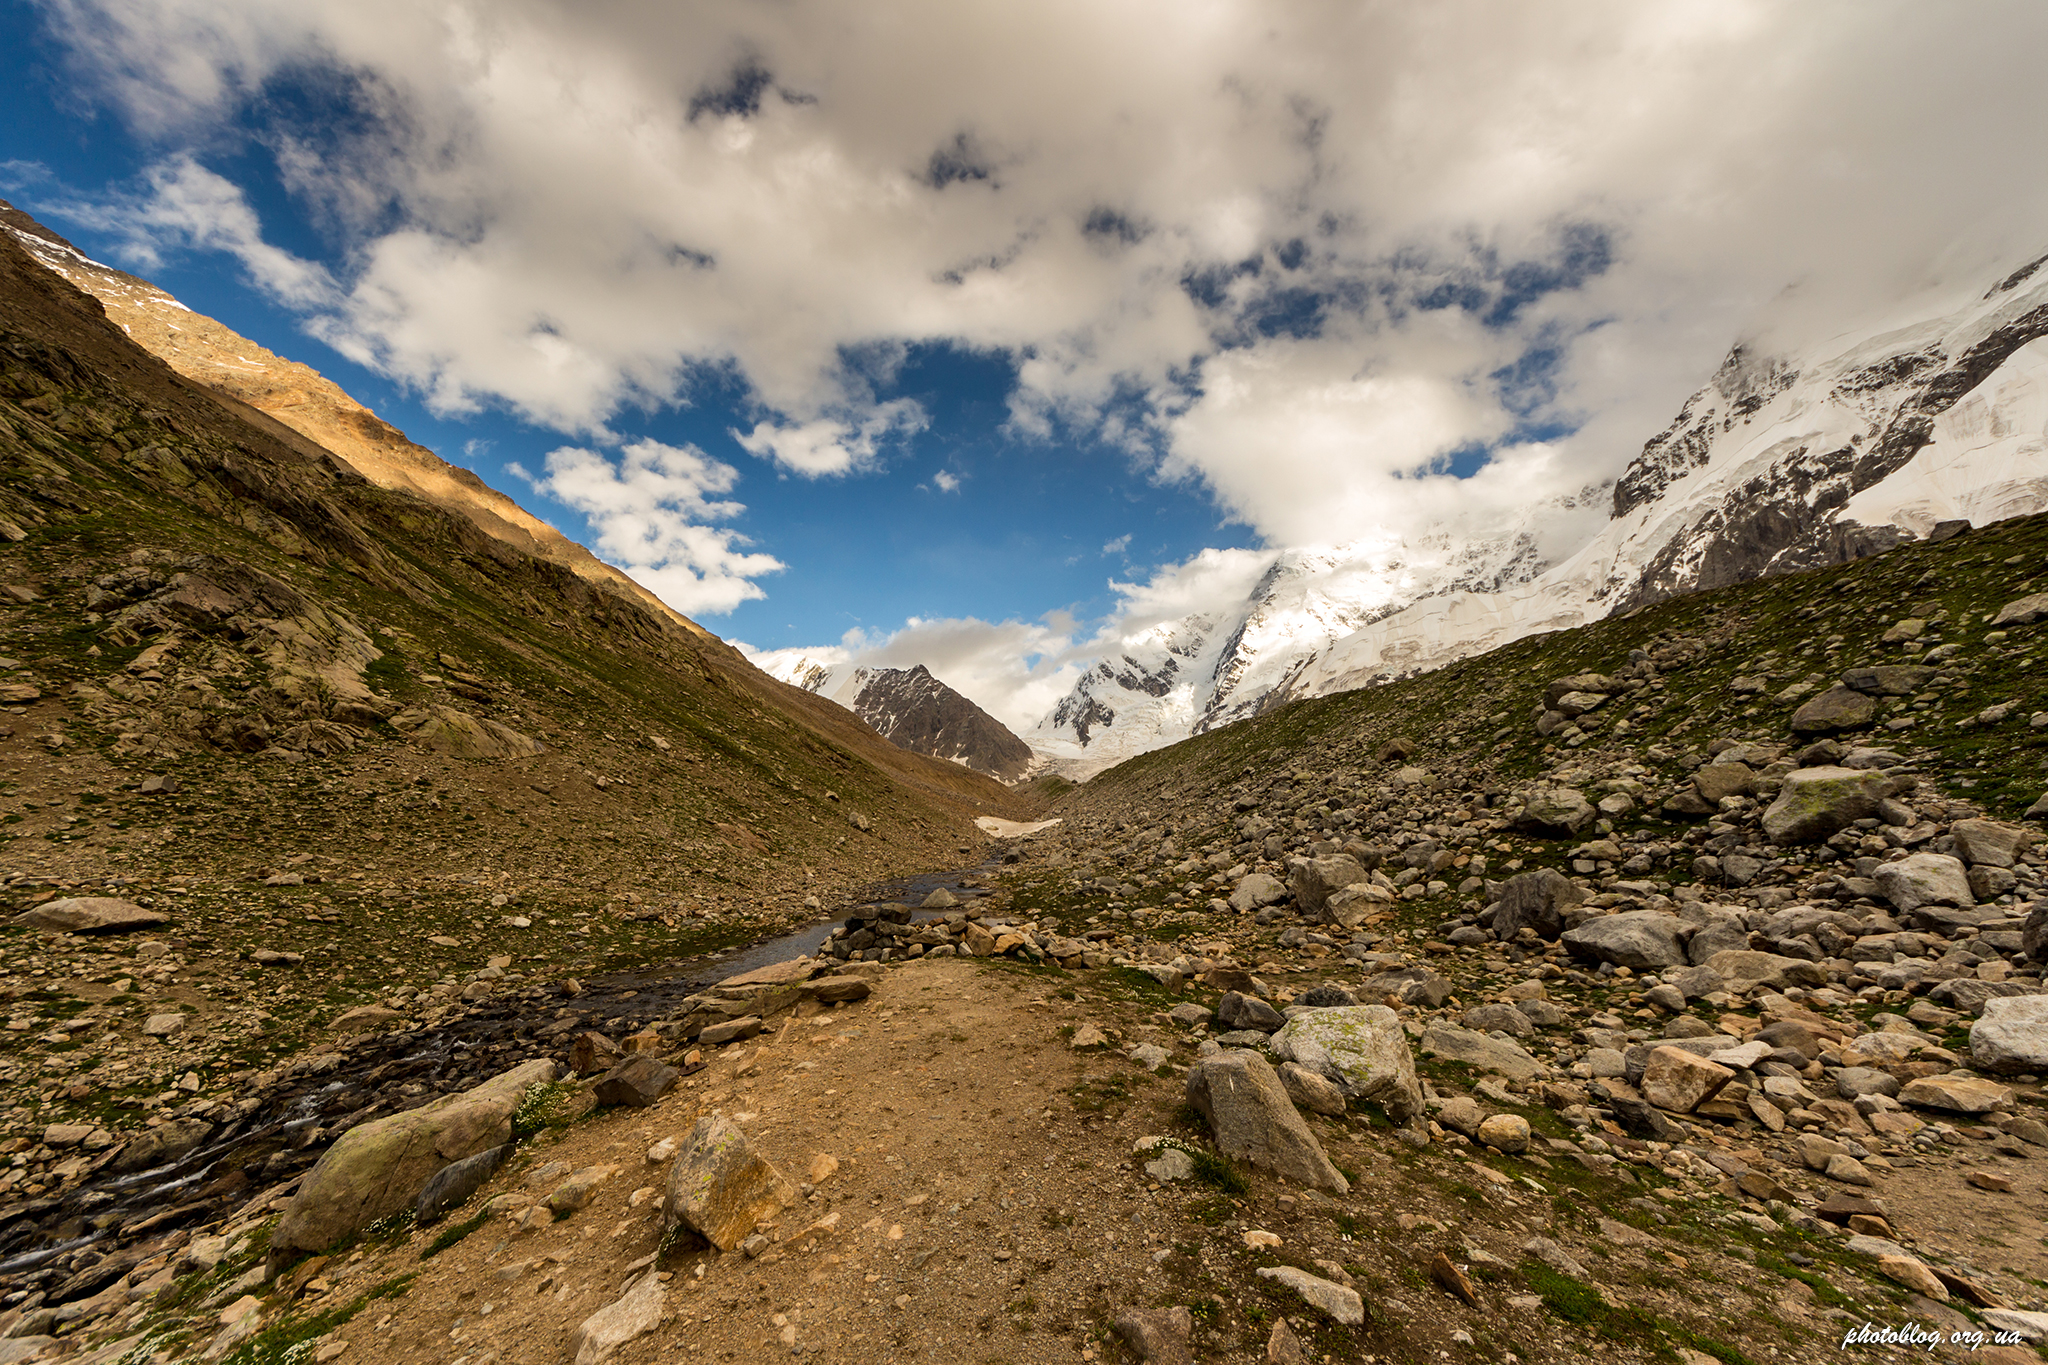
(364, 1019)
(1170, 1165)
(163, 1025)
(1955, 1094)
(1508, 1132)
(1989, 1180)
(633, 1315)
(1333, 1300)
(1913, 1274)
(1679, 1081)
(637, 1082)
(593, 1053)
(1159, 1335)
(1445, 1275)
(1283, 1347)
(1847, 1169)
(732, 1031)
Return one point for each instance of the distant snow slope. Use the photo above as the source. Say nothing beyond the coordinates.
(1778, 463)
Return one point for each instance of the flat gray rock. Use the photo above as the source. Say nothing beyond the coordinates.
(91, 915)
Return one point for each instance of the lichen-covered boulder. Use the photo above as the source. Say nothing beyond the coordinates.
(719, 1187)
(1817, 802)
(379, 1168)
(1362, 1049)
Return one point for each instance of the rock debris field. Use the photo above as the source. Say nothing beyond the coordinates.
(1674, 994)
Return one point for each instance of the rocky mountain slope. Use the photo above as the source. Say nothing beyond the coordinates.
(1778, 463)
(1669, 988)
(305, 402)
(911, 708)
(334, 748)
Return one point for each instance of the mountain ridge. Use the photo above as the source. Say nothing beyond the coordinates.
(307, 403)
(1777, 463)
(914, 710)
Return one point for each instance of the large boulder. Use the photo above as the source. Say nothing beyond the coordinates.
(1744, 970)
(2023, 611)
(379, 1168)
(1314, 879)
(1257, 891)
(1890, 680)
(1641, 940)
(1556, 813)
(2011, 1036)
(1675, 1079)
(1925, 879)
(1534, 900)
(1247, 1107)
(1350, 906)
(91, 915)
(1482, 1051)
(1987, 843)
(1815, 803)
(1723, 931)
(1834, 711)
(1363, 1049)
(719, 1188)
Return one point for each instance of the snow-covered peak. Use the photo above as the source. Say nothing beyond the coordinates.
(1778, 462)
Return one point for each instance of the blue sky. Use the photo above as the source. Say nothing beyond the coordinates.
(999, 335)
(1017, 527)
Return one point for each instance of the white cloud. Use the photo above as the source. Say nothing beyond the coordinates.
(648, 509)
(833, 445)
(1198, 234)
(188, 206)
(947, 481)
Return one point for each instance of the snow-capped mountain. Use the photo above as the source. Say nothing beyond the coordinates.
(912, 710)
(1171, 680)
(1777, 463)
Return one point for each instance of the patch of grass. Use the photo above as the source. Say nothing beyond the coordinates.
(453, 1233)
(1218, 1171)
(1095, 1094)
(543, 1106)
(279, 1344)
(1583, 1306)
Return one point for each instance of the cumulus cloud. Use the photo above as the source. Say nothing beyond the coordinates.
(833, 445)
(185, 205)
(1299, 262)
(947, 481)
(1117, 546)
(649, 508)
